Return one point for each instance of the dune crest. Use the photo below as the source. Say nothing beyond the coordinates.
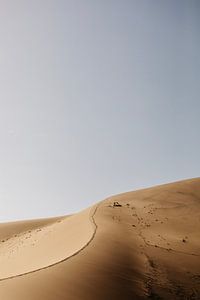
(26, 251)
(137, 245)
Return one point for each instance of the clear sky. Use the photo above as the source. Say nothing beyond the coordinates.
(96, 98)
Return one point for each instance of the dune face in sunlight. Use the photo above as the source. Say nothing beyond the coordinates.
(42, 246)
(137, 245)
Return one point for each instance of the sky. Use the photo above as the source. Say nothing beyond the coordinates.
(96, 98)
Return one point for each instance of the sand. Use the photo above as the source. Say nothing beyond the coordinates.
(137, 245)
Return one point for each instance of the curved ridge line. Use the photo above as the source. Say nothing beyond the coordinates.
(64, 259)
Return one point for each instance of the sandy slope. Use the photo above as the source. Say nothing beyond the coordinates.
(42, 245)
(147, 248)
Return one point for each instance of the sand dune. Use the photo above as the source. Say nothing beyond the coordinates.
(137, 245)
(26, 251)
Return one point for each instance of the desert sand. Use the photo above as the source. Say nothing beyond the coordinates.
(137, 245)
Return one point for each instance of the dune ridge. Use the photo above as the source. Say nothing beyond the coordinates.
(64, 259)
(91, 213)
(143, 244)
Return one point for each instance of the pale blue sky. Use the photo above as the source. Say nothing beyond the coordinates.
(96, 98)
